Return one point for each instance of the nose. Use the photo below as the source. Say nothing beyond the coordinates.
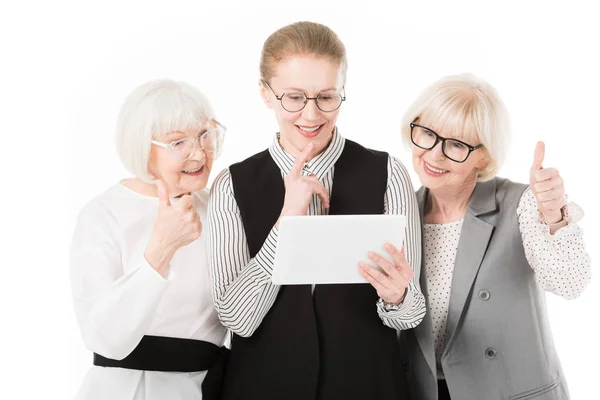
(197, 153)
(311, 112)
(437, 153)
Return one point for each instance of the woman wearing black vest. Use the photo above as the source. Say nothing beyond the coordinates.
(303, 342)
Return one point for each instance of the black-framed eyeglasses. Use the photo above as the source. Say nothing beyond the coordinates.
(454, 149)
(296, 101)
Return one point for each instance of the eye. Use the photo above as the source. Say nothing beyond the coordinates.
(458, 145)
(178, 143)
(326, 97)
(295, 96)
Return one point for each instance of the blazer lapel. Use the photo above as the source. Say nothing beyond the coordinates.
(424, 329)
(474, 238)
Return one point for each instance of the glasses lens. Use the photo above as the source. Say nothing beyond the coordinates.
(329, 101)
(423, 138)
(293, 102)
(456, 151)
(181, 149)
(212, 140)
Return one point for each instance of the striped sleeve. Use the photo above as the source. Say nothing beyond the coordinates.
(400, 199)
(242, 288)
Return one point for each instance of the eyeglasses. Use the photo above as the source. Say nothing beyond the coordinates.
(296, 101)
(210, 139)
(427, 139)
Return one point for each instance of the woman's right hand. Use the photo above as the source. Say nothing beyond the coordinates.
(176, 226)
(300, 189)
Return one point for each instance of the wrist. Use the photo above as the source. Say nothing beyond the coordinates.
(284, 213)
(159, 257)
(558, 217)
(394, 304)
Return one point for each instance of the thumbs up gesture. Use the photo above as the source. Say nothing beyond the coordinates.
(547, 186)
(175, 226)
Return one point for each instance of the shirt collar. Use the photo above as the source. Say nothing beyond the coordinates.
(318, 165)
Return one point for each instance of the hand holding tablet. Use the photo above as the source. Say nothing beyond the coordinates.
(391, 285)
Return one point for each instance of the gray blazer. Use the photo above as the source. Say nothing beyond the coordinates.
(498, 340)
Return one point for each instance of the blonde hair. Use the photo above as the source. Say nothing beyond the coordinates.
(301, 38)
(151, 111)
(467, 108)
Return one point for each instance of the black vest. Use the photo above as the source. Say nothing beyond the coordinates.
(327, 345)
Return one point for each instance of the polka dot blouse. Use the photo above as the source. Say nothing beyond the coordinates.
(560, 262)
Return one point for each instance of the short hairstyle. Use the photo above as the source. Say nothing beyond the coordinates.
(151, 111)
(467, 108)
(301, 38)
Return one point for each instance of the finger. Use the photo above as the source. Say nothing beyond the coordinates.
(318, 189)
(554, 183)
(552, 205)
(397, 256)
(402, 265)
(185, 203)
(163, 193)
(387, 266)
(538, 156)
(545, 174)
(381, 290)
(378, 276)
(197, 226)
(550, 195)
(301, 160)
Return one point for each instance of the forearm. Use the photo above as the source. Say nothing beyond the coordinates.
(114, 320)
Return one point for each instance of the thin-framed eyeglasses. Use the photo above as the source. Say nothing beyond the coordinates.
(295, 101)
(209, 138)
(454, 149)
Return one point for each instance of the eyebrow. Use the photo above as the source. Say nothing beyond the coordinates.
(173, 133)
(303, 91)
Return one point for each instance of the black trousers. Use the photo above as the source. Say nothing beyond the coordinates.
(443, 393)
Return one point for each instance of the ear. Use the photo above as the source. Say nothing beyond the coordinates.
(483, 163)
(265, 93)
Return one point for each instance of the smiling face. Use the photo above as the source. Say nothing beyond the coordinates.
(312, 76)
(436, 171)
(180, 176)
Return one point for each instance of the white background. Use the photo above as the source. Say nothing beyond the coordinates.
(67, 67)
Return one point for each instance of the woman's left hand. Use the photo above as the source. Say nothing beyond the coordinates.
(391, 286)
(547, 186)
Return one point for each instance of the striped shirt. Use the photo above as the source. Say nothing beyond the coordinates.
(242, 288)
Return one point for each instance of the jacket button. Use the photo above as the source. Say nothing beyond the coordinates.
(405, 365)
(484, 295)
(490, 353)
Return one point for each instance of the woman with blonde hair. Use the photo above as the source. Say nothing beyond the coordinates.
(301, 342)
(492, 248)
(139, 270)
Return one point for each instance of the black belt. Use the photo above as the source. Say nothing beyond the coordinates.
(158, 353)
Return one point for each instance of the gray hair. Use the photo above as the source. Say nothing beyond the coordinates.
(467, 108)
(151, 111)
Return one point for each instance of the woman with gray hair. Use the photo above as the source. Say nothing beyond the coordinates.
(139, 271)
(491, 249)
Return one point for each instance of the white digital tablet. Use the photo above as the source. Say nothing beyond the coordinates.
(327, 249)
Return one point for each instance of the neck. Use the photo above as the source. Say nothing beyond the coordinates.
(448, 203)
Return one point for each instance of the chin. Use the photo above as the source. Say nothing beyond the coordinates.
(194, 186)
